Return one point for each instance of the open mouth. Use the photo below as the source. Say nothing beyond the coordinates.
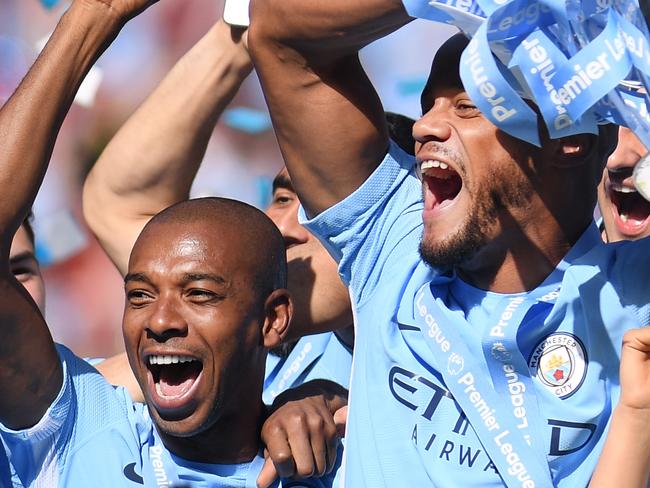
(173, 379)
(443, 184)
(631, 210)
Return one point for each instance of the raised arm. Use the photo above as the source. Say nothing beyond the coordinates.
(327, 117)
(152, 160)
(625, 460)
(30, 371)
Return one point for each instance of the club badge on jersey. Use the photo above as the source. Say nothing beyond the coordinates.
(569, 56)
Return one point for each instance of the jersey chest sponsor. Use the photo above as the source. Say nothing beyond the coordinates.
(432, 432)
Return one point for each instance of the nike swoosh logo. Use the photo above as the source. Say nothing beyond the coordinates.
(129, 472)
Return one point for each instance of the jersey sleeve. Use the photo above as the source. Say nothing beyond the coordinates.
(31, 452)
(380, 221)
(39, 455)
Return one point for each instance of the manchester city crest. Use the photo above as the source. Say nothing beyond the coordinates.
(559, 362)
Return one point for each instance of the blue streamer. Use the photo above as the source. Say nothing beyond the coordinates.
(568, 56)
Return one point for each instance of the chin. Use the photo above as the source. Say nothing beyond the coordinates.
(457, 247)
(186, 427)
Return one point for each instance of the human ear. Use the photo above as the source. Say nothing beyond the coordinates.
(278, 310)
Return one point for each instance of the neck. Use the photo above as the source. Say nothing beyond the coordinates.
(518, 260)
(232, 439)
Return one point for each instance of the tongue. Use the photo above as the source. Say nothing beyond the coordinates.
(176, 380)
(445, 188)
(635, 207)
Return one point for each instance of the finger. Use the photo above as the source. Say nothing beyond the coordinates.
(638, 339)
(267, 475)
(298, 436)
(280, 453)
(341, 420)
(318, 437)
(332, 442)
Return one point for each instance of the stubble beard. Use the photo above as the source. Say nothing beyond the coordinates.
(497, 193)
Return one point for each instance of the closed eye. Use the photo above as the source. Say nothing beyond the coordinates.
(466, 108)
(201, 295)
(139, 298)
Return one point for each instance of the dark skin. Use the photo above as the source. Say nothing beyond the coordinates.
(332, 133)
(29, 124)
(188, 292)
(320, 97)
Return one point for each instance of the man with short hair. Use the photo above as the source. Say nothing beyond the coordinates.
(490, 315)
(196, 330)
(136, 177)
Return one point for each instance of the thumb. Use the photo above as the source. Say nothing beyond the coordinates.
(341, 420)
(268, 474)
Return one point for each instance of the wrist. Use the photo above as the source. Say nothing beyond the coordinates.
(97, 18)
(231, 42)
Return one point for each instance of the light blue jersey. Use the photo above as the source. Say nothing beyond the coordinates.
(93, 435)
(314, 357)
(404, 426)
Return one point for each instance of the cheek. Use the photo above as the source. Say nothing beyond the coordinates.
(36, 289)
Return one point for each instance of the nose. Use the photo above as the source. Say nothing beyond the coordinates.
(286, 219)
(166, 320)
(627, 153)
(432, 126)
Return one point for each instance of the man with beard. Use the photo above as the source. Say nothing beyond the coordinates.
(195, 330)
(484, 296)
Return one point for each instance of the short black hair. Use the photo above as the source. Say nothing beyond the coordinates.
(259, 234)
(400, 128)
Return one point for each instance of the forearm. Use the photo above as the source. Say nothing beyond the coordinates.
(32, 117)
(332, 28)
(29, 123)
(152, 160)
(625, 460)
(327, 117)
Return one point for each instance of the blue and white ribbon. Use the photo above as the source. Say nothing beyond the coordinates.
(583, 62)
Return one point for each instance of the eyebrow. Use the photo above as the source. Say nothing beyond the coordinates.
(137, 277)
(23, 256)
(190, 277)
(187, 278)
(282, 181)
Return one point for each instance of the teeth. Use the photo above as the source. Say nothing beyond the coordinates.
(167, 359)
(623, 189)
(623, 217)
(433, 163)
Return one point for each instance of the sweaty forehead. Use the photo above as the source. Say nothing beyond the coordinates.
(444, 68)
(187, 241)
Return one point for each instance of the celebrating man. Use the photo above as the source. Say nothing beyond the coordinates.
(490, 316)
(203, 304)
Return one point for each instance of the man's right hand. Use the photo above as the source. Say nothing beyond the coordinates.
(301, 435)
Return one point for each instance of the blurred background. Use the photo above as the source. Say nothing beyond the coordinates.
(84, 291)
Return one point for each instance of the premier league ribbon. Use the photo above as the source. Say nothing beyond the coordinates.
(583, 62)
(500, 403)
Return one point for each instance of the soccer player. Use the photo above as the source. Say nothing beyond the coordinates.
(490, 316)
(196, 331)
(626, 214)
(136, 177)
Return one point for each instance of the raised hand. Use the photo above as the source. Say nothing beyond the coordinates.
(625, 460)
(635, 370)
